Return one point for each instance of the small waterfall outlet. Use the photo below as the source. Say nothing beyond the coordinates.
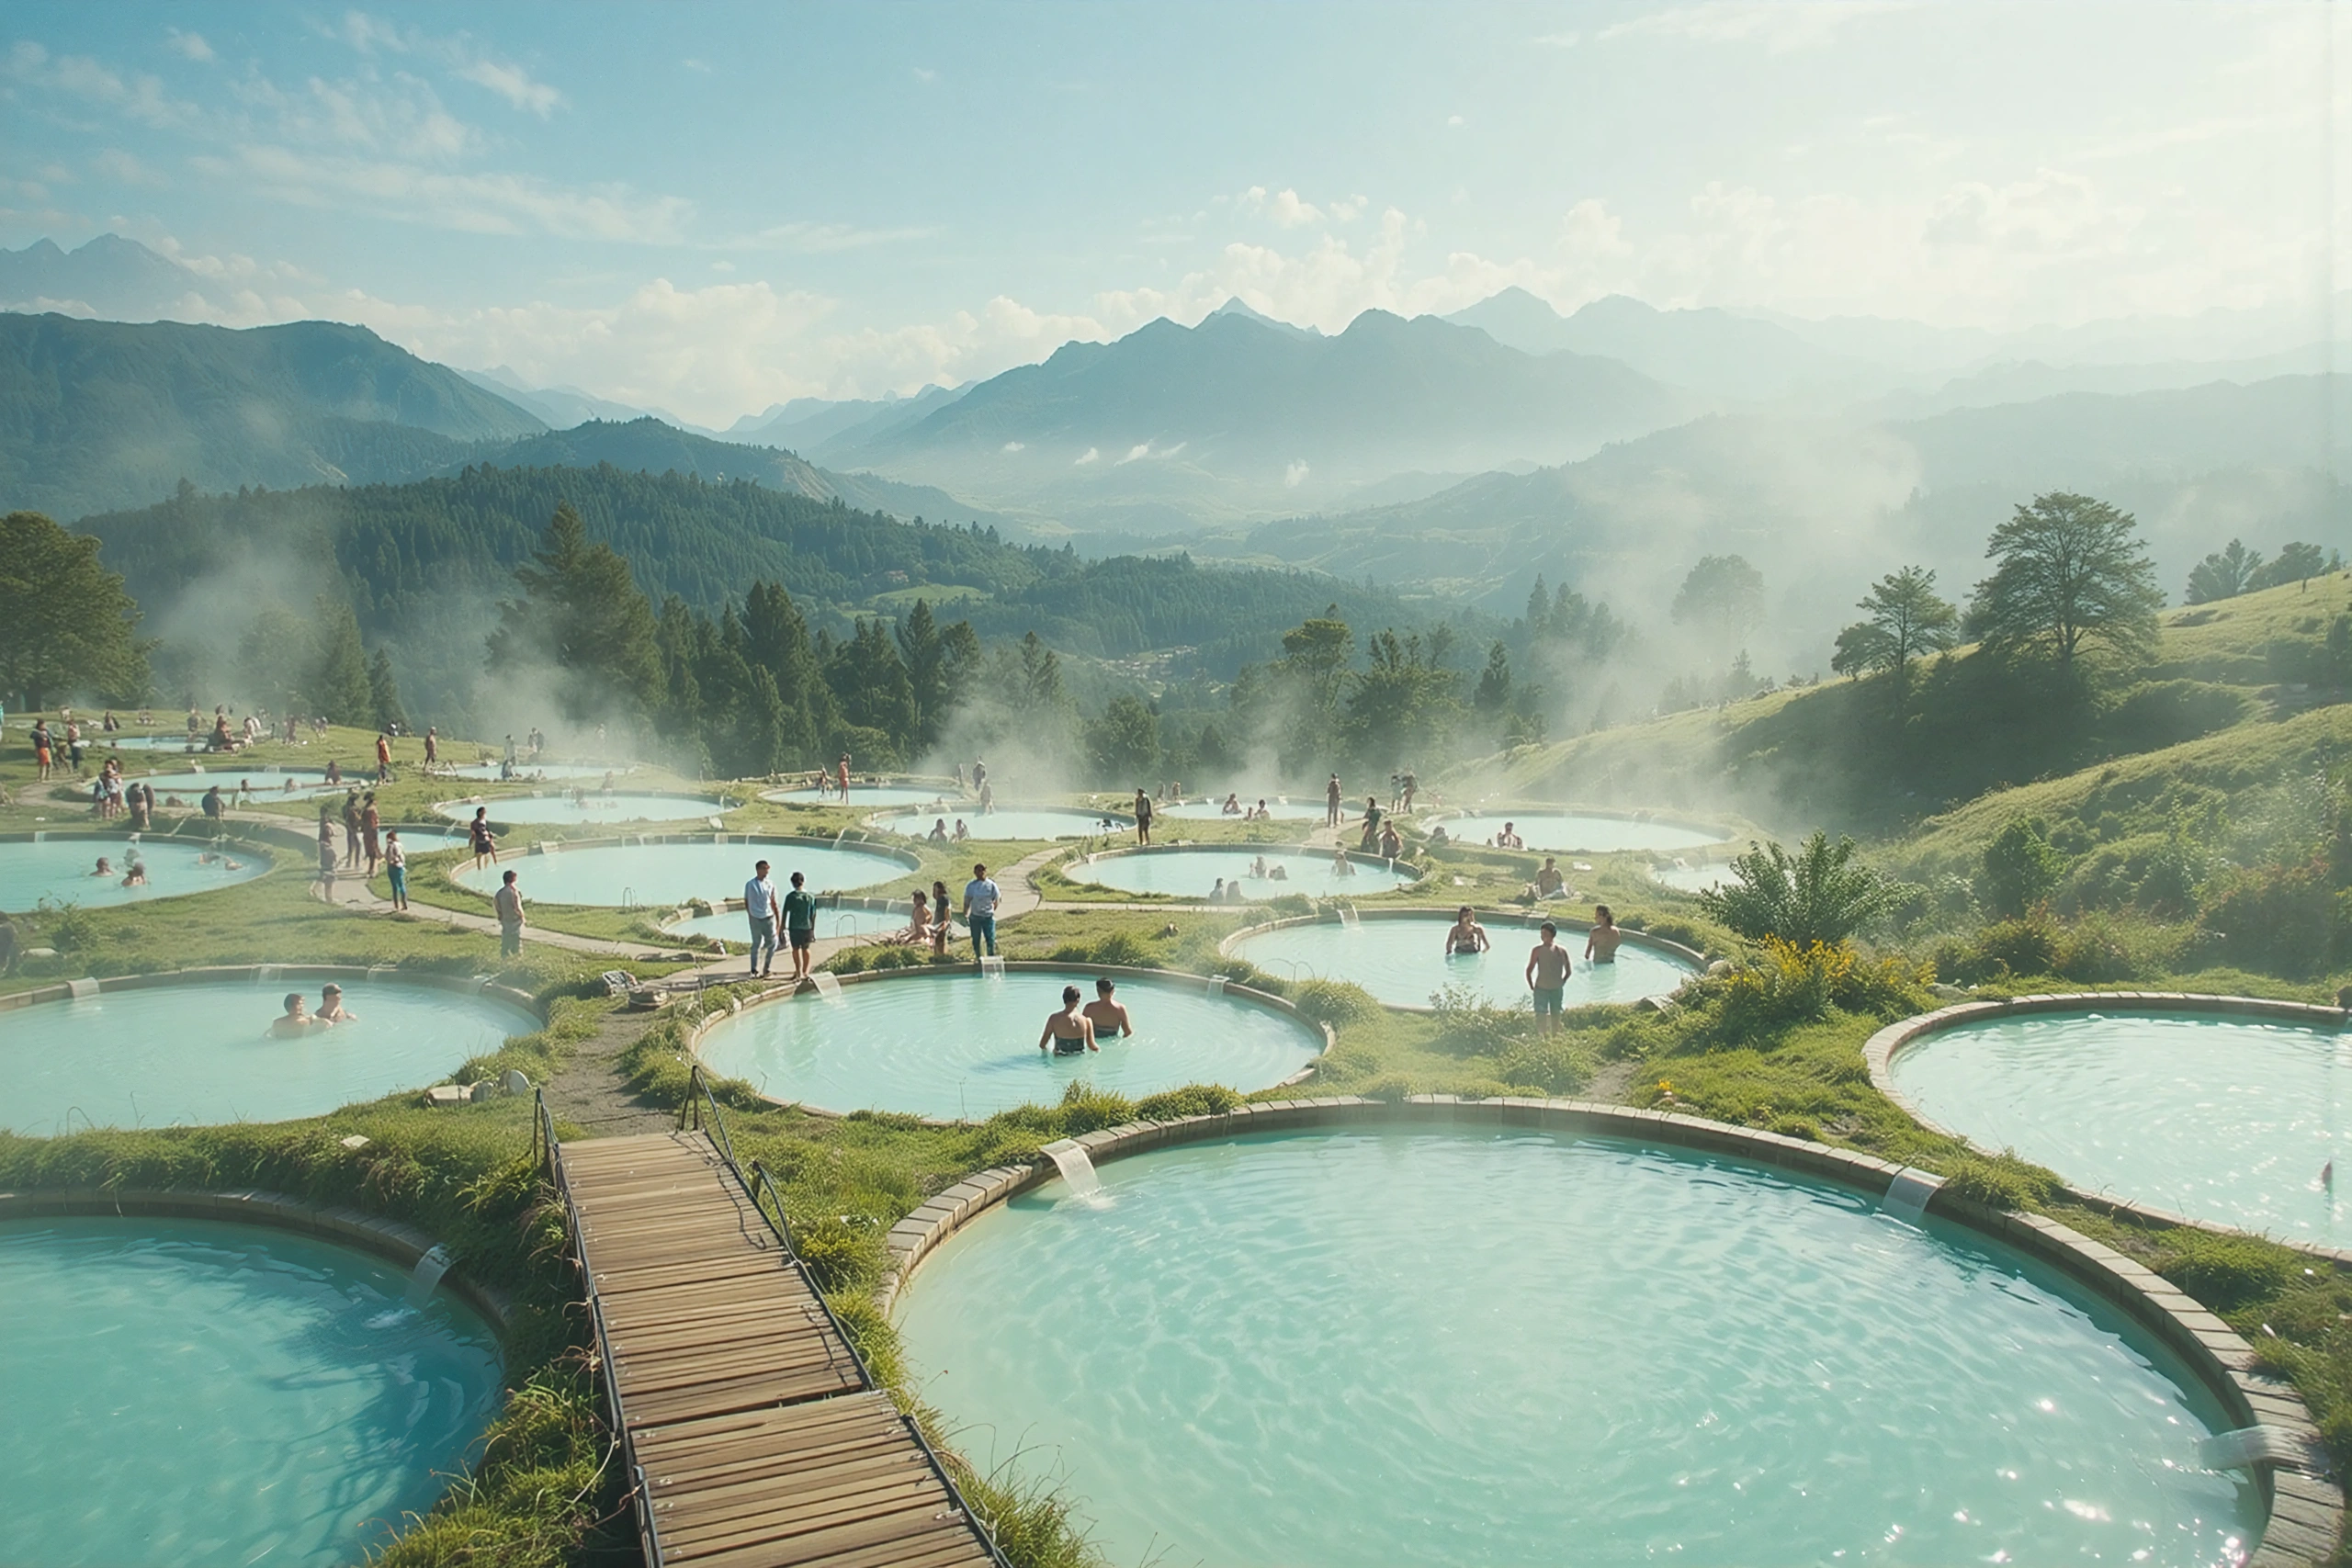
(1216, 985)
(2246, 1446)
(829, 986)
(1908, 1194)
(426, 1276)
(1078, 1171)
(82, 990)
(991, 968)
(1349, 917)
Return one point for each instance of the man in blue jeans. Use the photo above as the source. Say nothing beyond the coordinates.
(980, 897)
(759, 908)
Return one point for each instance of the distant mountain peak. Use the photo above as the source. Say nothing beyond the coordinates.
(1237, 306)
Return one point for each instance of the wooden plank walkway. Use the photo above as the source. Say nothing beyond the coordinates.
(755, 1437)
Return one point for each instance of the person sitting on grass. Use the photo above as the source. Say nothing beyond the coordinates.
(1549, 883)
(297, 1020)
(1069, 1032)
(330, 1008)
(1508, 838)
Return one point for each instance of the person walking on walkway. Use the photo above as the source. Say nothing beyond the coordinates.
(479, 838)
(511, 921)
(1143, 817)
(759, 908)
(981, 898)
(1331, 802)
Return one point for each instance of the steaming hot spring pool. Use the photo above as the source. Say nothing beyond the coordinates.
(732, 927)
(1459, 1347)
(188, 1392)
(197, 1052)
(1212, 809)
(873, 797)
(1401, 960)
(671, 873)
(2222, 1118)
(1556, 832)
(1193, 873)
(525, 771)
(964, 1046)
(1009, 822)
(268, 783)
(60, 871)
(542, 809)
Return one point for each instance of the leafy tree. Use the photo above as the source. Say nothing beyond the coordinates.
(1210, 752)
(2224, 574)
(1123, 744)
(869, 681)
(582, 613)
(337, 682)
(1906, 618)
(384, 692)
(1040, 684)
(2296, 563)
(1400, 706)
(2072, 572)
(1820, 893)
(2020, 868)
(1723, 596)
(66, 627)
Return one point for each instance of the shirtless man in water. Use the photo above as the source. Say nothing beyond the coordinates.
(1069, 1031)
(330, 1008)
(1107, 1013)
(297, 1020)
(1547, 976)
(1600, 944)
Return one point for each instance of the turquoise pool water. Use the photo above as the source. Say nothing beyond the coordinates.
(1214, 810)
(1562, 832)
(1691, 878)
(1445, 1347)
(534, 770)
(672, 873)
(198, 1054)
(1194, 873)
(962, 1046)
(873, 797)
(190, 786)
(2226, 1120)
(60, 871)
(186, 1393)
(1401, 962)
(1014, 822)
(733, 928)
(560, 810)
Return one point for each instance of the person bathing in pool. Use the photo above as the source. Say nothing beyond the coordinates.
(1069, 1032)
(1107, 1013)
(1601, 942)
(330, 1008)
(1465, 937)
(297, 1020)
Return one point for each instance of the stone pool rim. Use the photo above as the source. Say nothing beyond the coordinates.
(460, 810)
(879, 821)
(1211, 984)
(1720, 832)
(2303, 1507)
(825, 901)
(463, 856)
(1526, 919)
(230, 974)
(1879, 1051)
(1413, 871)
(246, 840)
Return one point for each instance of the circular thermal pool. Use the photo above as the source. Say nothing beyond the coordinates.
(157, 742)
(1015, 822)
(525, 771)
(1454, 1347)
(64, 871)
(591, 809)
(734, 926)
(1212, 810)
(1194, 873)
(188, 1392)
(873, 797)
(1402, 961)
(197, 1052)
(261, 784)
(2222, 1118)
(1691, 878)
(958, 1047)
(672, 873)
(1581, 832)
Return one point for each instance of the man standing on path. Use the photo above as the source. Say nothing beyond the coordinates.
(800, 926)
(1547, 976)
(844, 777)
(1143, 817)
(509, 904)
(383, 757)
(432, 747)
(981, 896)
(759, 907)
(1331, 802)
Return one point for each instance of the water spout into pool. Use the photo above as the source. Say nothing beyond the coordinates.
(1077, 1173)
(426, 1276)
(829, 986)
(1908, 1194)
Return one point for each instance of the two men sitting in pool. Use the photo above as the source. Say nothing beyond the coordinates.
(1073, 1030)
(297, 1020)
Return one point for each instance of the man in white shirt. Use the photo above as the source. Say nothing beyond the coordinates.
(981, 896)
(759, 907)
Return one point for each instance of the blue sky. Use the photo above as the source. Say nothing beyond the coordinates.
(713, 207)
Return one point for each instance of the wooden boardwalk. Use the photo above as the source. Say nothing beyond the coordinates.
(755, 1437)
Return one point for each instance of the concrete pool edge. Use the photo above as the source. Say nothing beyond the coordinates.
(1879, 1051)
(1211, 984)
(1418, 871)
(254, 973)
(394, 1241)
(2304, 1506)
(1524, 919)
(449, 871)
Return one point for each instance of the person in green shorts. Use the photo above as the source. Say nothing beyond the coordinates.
(800, 925)
(1547, 976)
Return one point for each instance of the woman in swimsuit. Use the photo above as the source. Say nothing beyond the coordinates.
(1069, 1032)
(1465, 937)
(943, 924)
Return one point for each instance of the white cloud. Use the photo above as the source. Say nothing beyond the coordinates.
(1014, 446)
(1781, 26)
(190, 46)
(1559, 40)
(1454, 119)
(138, 97)
(1092, 453)
(515, 84)
(470, 203)
(1287, 209)
(1294, 475)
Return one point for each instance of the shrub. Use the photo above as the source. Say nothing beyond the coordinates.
(1336, 1002)
(2225, 1272)
(2003, 1181)
(1555, 1064)
(2093, 952)
(1085, 1109)
(1470, 1024)
(2288, 920)
(2028, 946)
(2020, 867)
(1118, 949)
(1192, 1100)
(840, 1255)
(1818, 894)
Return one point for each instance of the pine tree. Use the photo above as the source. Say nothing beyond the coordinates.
(582, 613)
(383, 694)
(337, 685)
(66, 627)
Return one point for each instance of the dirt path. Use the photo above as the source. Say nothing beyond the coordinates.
(588, 1091)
